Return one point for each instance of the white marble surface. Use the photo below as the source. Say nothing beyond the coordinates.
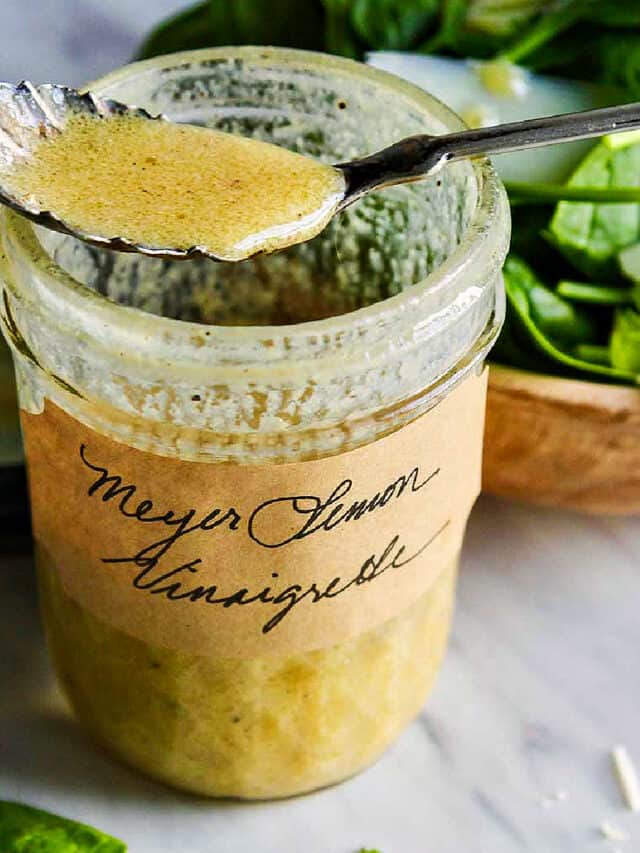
(542, 678)
(540, 681)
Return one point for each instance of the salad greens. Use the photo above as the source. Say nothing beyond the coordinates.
(549, 334)
(573, 278)
(598, 40)
(24, 829)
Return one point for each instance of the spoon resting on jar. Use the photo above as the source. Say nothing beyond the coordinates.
(117, 177)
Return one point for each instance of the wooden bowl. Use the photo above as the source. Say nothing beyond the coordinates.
(563, 442)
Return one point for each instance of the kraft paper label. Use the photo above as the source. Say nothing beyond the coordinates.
(250, 560)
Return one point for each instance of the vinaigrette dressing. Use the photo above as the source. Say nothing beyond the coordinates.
(162, 184)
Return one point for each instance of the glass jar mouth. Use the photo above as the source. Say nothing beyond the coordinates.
(478, 255)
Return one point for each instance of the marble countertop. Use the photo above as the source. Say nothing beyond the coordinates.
(511, 752)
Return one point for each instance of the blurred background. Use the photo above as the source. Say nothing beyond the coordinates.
(73, 41)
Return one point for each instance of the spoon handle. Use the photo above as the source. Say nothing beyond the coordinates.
(537, 132)
(417, 157)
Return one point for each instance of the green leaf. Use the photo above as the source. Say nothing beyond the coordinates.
(453, 35)
(519, 191)
(625, 340)
(563, 323)
(594, 294)
(559, 17)
(340, 37)
(452, 18)
(534, 317)
(24, 829)
(595, 353)
(615, 13)
(527, 243)
(220, 22)
(592, 235)
(629, 262)
(392, 24)
(560, 54)
(616, 60)
(186, 31)
(503, 18)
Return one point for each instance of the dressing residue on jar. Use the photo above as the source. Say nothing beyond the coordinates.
(160, 184)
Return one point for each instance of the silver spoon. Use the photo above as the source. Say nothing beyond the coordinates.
(29, 113)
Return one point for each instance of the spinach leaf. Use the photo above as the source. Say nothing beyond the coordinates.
(594, 294)
(527, 224)
(392, 24)
(573, 29)
(594, 353)
(340, 36)
(546, 334)
(548, 193)
(559, 18)
(464, 33)
(629, 262)
(625, 340)
(615, 58)
(591, 235)
(503, 18)
(614, 13)
(218, 22)
(450, 31)
(562, 322)
(187, 30)
(24, 829)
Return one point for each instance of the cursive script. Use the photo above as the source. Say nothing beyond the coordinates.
(300, 515)
(110, 487)
(175, 584)
(308, 514)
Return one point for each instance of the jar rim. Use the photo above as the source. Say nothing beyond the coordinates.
(129, 326)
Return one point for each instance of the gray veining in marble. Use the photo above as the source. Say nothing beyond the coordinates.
(542, 677)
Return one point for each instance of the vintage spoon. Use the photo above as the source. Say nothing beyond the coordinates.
(29, 113)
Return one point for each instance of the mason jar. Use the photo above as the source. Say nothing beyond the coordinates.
(250, 482)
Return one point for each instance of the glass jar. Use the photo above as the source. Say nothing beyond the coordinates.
(300, 357)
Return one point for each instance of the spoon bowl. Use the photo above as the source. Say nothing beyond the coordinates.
(29, 114)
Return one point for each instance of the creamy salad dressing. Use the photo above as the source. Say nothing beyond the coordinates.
(162, 184)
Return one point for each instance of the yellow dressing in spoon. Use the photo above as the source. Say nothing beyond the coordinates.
(161, 184)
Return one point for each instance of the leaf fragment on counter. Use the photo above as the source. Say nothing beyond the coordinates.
(24, 829)
(612, 832)
(627, 777)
